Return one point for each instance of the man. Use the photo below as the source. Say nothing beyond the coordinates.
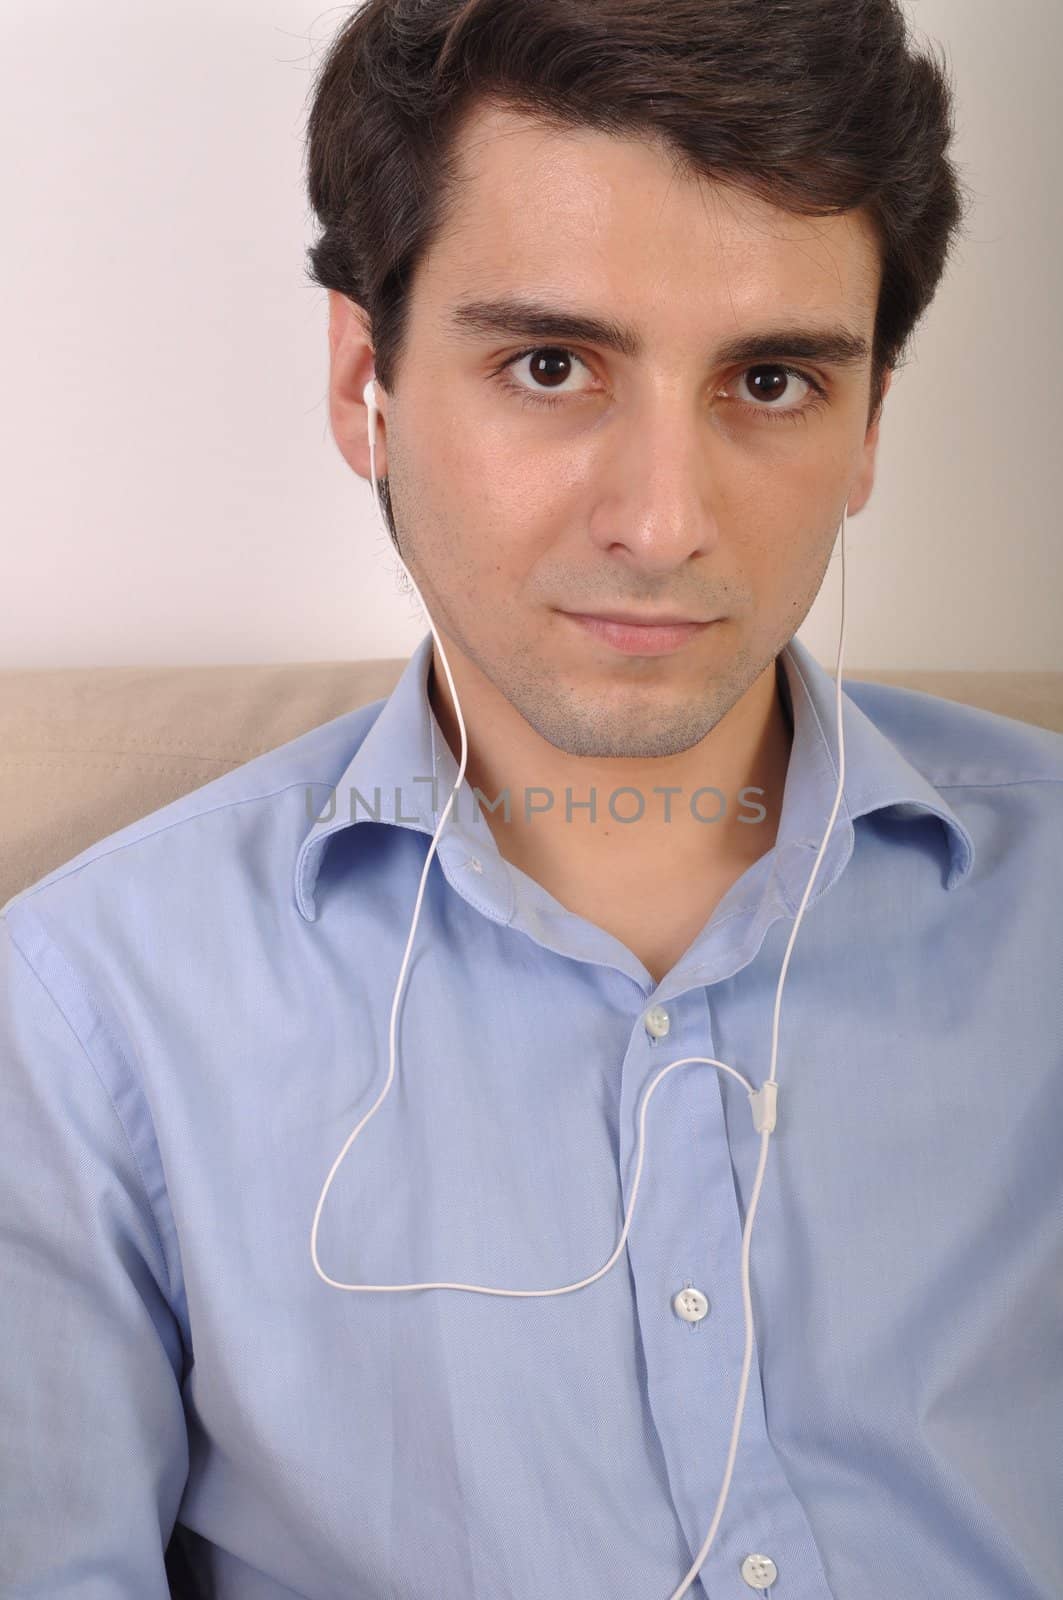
(196, 1011)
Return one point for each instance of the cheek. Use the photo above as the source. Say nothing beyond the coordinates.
(482, 501)
(781, 546)
(792, 507)
(800, 574)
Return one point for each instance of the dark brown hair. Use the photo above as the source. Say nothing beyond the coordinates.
(817, 106)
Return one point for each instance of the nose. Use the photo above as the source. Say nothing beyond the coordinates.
(658, 509)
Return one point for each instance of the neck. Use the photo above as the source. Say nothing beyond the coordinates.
(551, 836)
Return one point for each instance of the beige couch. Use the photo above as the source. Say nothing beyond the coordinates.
(84, 751)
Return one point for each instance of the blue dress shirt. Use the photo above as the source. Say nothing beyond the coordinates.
(194, 1015)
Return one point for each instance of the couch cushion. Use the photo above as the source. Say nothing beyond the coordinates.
(84, 751)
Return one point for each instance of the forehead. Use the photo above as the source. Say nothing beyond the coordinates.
(587, 215)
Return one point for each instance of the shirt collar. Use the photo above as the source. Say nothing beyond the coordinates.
(390, 779)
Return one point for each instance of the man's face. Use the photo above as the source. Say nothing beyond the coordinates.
(671, 481)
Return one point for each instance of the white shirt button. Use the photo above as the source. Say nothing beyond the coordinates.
(690, 1304)
(759, 1571)
(657, 1022)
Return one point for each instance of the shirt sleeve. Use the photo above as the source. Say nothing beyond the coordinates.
(93, 1440)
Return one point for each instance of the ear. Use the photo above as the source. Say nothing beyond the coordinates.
(350, 368)
(861, 492)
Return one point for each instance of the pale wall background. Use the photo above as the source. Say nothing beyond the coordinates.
(171, 491)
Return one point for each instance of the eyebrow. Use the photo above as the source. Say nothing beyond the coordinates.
(833, 346)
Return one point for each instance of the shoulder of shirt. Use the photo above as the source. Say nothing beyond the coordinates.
(314, 760)
(956, 745)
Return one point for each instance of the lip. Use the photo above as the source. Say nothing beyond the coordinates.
(634, 620)
(639, 638)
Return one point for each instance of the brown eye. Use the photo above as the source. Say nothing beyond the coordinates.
(770, 383)
(544, 365)
(549, 367)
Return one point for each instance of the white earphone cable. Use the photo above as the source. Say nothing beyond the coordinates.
(763, 1101)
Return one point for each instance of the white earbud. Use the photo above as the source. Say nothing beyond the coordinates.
(369, 395)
